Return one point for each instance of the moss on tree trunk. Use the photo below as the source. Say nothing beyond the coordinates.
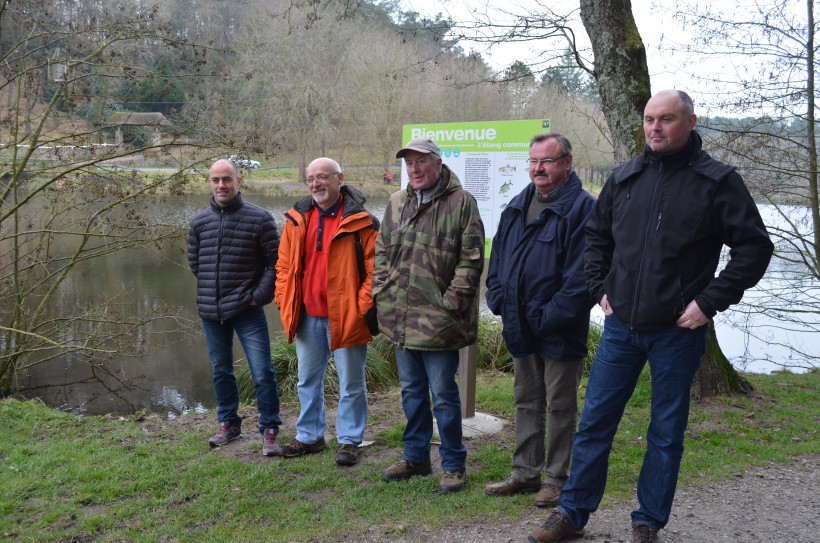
(716, 376)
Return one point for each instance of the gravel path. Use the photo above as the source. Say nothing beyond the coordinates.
(775, 503)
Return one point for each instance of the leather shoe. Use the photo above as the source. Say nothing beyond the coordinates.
(452, 481)
(554, 529)
(547, 496)
(511, 487)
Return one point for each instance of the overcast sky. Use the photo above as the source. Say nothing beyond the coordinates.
(655, 24)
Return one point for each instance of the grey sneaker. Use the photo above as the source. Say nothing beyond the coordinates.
(347, 454)
(555, 528)
(452, 481)
(405, 469)
(297, 448)
(270, 447)
(225, 434)
(641, 533)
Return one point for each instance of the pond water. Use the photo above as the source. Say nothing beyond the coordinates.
(174, 376)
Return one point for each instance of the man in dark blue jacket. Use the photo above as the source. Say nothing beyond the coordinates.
(536, 284)
(232, 249)
(653, 245)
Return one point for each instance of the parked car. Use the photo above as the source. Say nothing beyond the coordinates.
(244, 162)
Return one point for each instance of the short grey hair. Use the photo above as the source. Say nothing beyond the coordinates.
(687, 102)
(563, 142)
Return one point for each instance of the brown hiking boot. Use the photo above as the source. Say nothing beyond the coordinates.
(511, 487)
(347, 454)
(641, 533)
(405, 469)
(547, 496)
(297, 448)
(555, 528)
(452, 481)
(225, 434)
(270, 447)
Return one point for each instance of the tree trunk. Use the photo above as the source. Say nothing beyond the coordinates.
(621, 71)
(622, 74)
(716, 376)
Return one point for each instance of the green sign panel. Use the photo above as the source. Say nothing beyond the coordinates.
(490, 159)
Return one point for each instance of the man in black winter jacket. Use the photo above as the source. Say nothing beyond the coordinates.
(232, 249)
(653, 244)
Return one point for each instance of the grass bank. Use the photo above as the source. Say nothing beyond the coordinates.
(143, 478)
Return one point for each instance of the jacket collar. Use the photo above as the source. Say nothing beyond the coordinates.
(448, 182)
(562, 206)
(231, 207)
(691, 155)
(353, 198)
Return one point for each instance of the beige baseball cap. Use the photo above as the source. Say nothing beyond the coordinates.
(420, 145)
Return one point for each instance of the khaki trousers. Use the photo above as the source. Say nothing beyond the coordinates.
(546, 406)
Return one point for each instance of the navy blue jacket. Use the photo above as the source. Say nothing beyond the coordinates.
(232, 251)
(536, 277)
(655, 237)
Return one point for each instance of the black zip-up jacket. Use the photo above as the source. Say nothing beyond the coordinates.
(655, 236)
(232, 251)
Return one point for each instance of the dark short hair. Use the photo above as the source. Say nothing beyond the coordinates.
(563, 142)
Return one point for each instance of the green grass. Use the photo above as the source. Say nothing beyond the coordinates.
(142, 478)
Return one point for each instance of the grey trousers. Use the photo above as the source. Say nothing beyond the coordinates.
(546, 405)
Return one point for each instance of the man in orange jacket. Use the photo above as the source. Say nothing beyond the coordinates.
(328, 240)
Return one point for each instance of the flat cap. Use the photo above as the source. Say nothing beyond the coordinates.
(420, 145)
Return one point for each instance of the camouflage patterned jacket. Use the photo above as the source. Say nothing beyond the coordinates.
(428, 267)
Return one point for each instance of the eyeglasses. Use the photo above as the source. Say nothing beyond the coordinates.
(545, 161)
(322, 178)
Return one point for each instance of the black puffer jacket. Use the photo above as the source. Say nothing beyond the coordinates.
(232, 252)
(655, 235)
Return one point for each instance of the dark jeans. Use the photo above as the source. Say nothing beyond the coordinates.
(422, 373)
(674, 355)
(252, 329)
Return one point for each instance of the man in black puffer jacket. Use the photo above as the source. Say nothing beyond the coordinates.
(653, 243)
(232, 249)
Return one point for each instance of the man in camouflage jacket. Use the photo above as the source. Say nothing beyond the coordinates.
(429, 259)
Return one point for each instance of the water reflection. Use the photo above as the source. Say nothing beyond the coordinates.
(171, 372)
(776, 324)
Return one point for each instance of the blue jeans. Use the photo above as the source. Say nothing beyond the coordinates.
(674, 355)
(420, 374)
(313, 350)
(252, 329)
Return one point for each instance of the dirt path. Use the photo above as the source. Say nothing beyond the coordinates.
(773, 504)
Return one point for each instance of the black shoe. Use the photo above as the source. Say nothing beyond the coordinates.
(347, 454)
(297, 448)
(406, 469)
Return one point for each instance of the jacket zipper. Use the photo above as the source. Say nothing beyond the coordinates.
(639, 278)
(219, 265)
